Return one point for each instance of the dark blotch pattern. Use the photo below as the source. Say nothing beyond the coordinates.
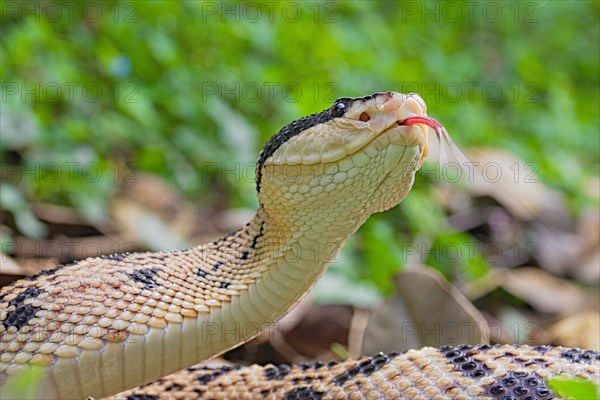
(115, 257)
(519, 385)
(312, 365)
(257, 236)
(581, 356)
(22, 312)
(145, 276)
(462, 358)
(174, 387)
(157, 256)
(303, 393)
(278, 372)
(142, 397)
(365, 367)
(204, 379)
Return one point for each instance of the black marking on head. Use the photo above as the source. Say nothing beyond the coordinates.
(278, 372)
(212, 374)
(115, 257)
(142, 396)
(22, 312)
(580, 356)
(286, 133)
(462, 358)
(519, 385)
(338, 109)
(145, 276)
(304, 393)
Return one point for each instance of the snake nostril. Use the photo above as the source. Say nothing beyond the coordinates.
(364, 117)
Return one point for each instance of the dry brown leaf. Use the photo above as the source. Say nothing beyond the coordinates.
(161, 199)
(543, 291)
(587, 264)
(589, 268)
(57, 214)
(11, 270)
(8, 266)
(593, 187)
(425, 311)
(146, 226)
(484, 285)
(152, 192)
(67, 249)
(580, 330)
(514, 184)
(320, 327)
(556, 250)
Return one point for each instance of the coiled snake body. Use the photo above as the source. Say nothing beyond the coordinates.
(104, 325)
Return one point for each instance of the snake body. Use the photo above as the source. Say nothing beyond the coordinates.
(465, 372)
(103, 325)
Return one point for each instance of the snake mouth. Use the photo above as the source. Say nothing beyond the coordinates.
(387, 118)
(444, 139)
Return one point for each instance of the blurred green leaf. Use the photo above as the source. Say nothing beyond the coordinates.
(457, 254)
(574, 388)
(24, 386)
(383, 256)
(12, 200)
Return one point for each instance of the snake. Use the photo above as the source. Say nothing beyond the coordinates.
(135, 325)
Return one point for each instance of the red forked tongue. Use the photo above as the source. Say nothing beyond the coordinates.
(433, 123)
(443, 139)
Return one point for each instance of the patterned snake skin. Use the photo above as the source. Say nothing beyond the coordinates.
(464, 372)
(104, 325)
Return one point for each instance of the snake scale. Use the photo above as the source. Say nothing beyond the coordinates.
(103, 325)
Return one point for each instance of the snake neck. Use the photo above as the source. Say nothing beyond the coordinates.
(294, 250)
(260, 271)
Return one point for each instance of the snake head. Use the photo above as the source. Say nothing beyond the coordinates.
(357, 157)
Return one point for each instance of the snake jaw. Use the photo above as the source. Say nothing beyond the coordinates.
(363, 120)
(444, 140)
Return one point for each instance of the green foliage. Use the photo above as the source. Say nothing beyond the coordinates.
(24, 386)
(456, 254)
(383, 255)
(574, 388)
(192, 90)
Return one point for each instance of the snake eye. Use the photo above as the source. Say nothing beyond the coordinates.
(339, 107)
